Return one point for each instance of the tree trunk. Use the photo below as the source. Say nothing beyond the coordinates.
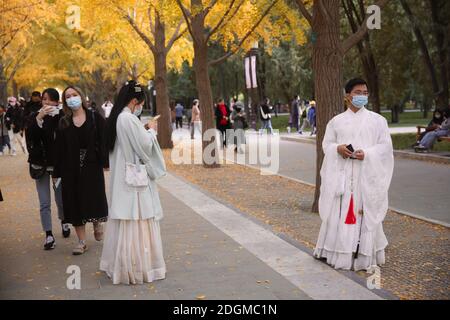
(328, 74)
(442, 98)
(15, 88)
(422, 46)
(162, 92)
(3, 84)
(202, 81)
(162, 101)
(203, 85)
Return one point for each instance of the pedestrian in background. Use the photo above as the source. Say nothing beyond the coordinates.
(32, 106)
(179, 115)
(264, 110)
(196, 122)
(222, 120)
(16, 117)
(107, 107)
(4, 134)
(294, 113)
(238, 117)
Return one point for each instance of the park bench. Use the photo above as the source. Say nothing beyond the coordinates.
(441, 139)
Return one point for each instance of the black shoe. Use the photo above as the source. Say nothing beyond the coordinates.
(65, 230)
(49, 243)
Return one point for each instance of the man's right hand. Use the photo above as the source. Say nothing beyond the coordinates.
(344, 152)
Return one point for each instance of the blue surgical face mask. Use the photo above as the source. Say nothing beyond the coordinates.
(74, 103)
(138, 110)
(360, 101)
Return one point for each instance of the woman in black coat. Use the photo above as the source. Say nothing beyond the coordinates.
(40, 135)
(80, 163)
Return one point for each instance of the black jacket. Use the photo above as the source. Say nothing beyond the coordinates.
(29, 111)
(41, 142)
(267, 110)
(16, 117)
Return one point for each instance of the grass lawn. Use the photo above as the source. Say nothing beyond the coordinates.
(402, 141)
(407, 119)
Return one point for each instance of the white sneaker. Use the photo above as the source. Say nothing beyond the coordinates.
(49, 243)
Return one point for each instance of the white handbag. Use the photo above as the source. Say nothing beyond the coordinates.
(136, 174)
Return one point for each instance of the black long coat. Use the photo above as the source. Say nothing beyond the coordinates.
(83, 188)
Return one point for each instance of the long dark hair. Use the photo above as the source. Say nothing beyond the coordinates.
(128, 92)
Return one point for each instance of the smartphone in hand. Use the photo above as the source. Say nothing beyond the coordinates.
(351, 149)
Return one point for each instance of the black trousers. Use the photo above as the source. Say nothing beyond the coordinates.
(179, 120)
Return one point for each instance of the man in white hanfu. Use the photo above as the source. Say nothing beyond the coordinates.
(356, 174)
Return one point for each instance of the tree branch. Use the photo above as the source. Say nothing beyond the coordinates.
(17, 65)
(187, 15)
(304, 11)
(140, 33)
(356, 37)
(224, 16)
(176, 35)
(232, 52)
(150, 20)
(208, 8)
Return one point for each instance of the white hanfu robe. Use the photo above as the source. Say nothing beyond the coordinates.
(367, 131)
(132, 250)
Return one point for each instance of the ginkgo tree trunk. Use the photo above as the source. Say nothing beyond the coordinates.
(328, 63)
(160, 49)
(201, 33)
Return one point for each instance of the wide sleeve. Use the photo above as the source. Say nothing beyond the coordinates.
(329, 143)
(143, 143)
(329, 173)
(377, 169)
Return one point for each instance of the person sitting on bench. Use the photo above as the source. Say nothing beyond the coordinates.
(434, 124)
(430, 138)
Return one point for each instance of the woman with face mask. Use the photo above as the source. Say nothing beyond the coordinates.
(79, 163)
(432, 125)
(132, 250)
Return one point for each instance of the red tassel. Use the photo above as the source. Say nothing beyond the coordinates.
(351, 219)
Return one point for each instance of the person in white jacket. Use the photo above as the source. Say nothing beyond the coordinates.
(132, 251)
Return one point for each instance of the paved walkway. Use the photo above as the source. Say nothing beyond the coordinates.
(211, 252)
(418, 188)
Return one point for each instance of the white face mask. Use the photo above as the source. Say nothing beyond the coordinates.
(74, 103)
(137, 110)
